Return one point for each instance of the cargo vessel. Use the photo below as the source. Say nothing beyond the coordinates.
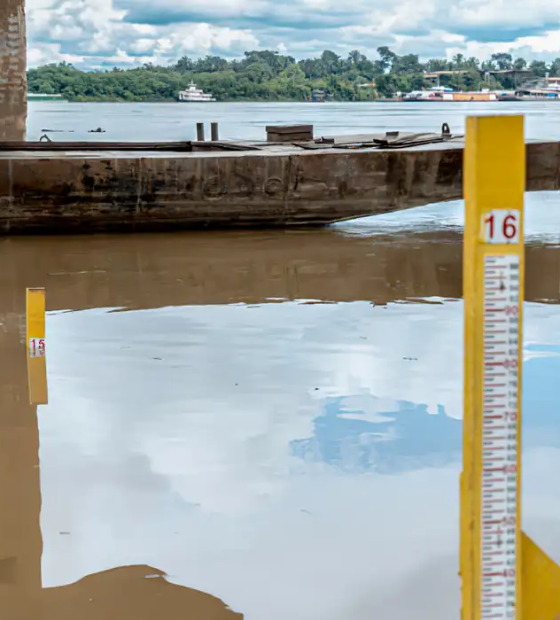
(442, 93)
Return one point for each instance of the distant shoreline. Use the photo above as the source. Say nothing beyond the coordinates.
(230, 101)
(268, 76)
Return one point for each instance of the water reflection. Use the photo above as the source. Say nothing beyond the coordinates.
(400, 440)
(271, 419)
(138, 592)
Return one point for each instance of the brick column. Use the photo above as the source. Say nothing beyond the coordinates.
(13, 64)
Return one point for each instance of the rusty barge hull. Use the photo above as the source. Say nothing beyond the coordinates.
(73, 192)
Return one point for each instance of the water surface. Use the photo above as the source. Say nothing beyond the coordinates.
(256, 424)
(177, 121)
(272, 420)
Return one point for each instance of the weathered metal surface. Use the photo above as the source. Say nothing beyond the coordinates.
(289, 133)
(52, 145)
(13, 80)
(117, 191)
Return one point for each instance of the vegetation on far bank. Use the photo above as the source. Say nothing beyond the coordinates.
(270, 76)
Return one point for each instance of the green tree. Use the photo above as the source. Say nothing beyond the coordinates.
(538, 67)
(504, 62)
(387, 58)
(266, 75)
(554, 68)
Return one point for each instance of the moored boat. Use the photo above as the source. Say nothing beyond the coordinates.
(45, 97)
(532, 94)
(194, 94)
(441, 93)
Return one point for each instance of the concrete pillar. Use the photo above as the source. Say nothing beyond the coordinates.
(13, 65)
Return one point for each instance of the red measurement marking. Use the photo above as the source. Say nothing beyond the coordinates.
(499, 574)
(489, 564)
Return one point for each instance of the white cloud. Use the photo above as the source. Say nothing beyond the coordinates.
(94, 32)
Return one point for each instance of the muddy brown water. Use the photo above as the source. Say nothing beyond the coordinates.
(263, 425)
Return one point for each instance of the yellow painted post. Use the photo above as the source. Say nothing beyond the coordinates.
(36, 345)
(498, 564)
(493, 258)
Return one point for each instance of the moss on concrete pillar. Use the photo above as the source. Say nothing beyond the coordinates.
(13, 62)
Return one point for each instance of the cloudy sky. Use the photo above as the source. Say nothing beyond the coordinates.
(97, 33)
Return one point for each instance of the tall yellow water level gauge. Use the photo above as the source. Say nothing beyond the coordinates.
(505, 575)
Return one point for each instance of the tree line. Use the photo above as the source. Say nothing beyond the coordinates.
(271, 76)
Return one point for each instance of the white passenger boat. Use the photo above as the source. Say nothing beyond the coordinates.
(194, 94)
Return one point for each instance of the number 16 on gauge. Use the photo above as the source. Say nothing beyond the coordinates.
(500, 226)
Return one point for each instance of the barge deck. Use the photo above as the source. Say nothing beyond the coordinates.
(90, 187)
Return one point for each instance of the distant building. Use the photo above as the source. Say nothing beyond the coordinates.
(518, 75)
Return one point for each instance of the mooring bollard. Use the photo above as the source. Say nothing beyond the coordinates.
(200, 132)
(214, 132)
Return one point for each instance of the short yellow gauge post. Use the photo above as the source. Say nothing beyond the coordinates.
(36, 345)
(505, 576)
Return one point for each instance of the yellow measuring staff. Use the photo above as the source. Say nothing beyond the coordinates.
(36, 345)
(505, 576)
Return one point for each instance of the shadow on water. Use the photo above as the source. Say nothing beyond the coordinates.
(272, 418)
(154, 271)
(137, 592)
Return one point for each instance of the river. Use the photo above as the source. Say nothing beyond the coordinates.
(177, 121)
(256, 424)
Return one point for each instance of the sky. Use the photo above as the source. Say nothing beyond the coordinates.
(106, 33)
